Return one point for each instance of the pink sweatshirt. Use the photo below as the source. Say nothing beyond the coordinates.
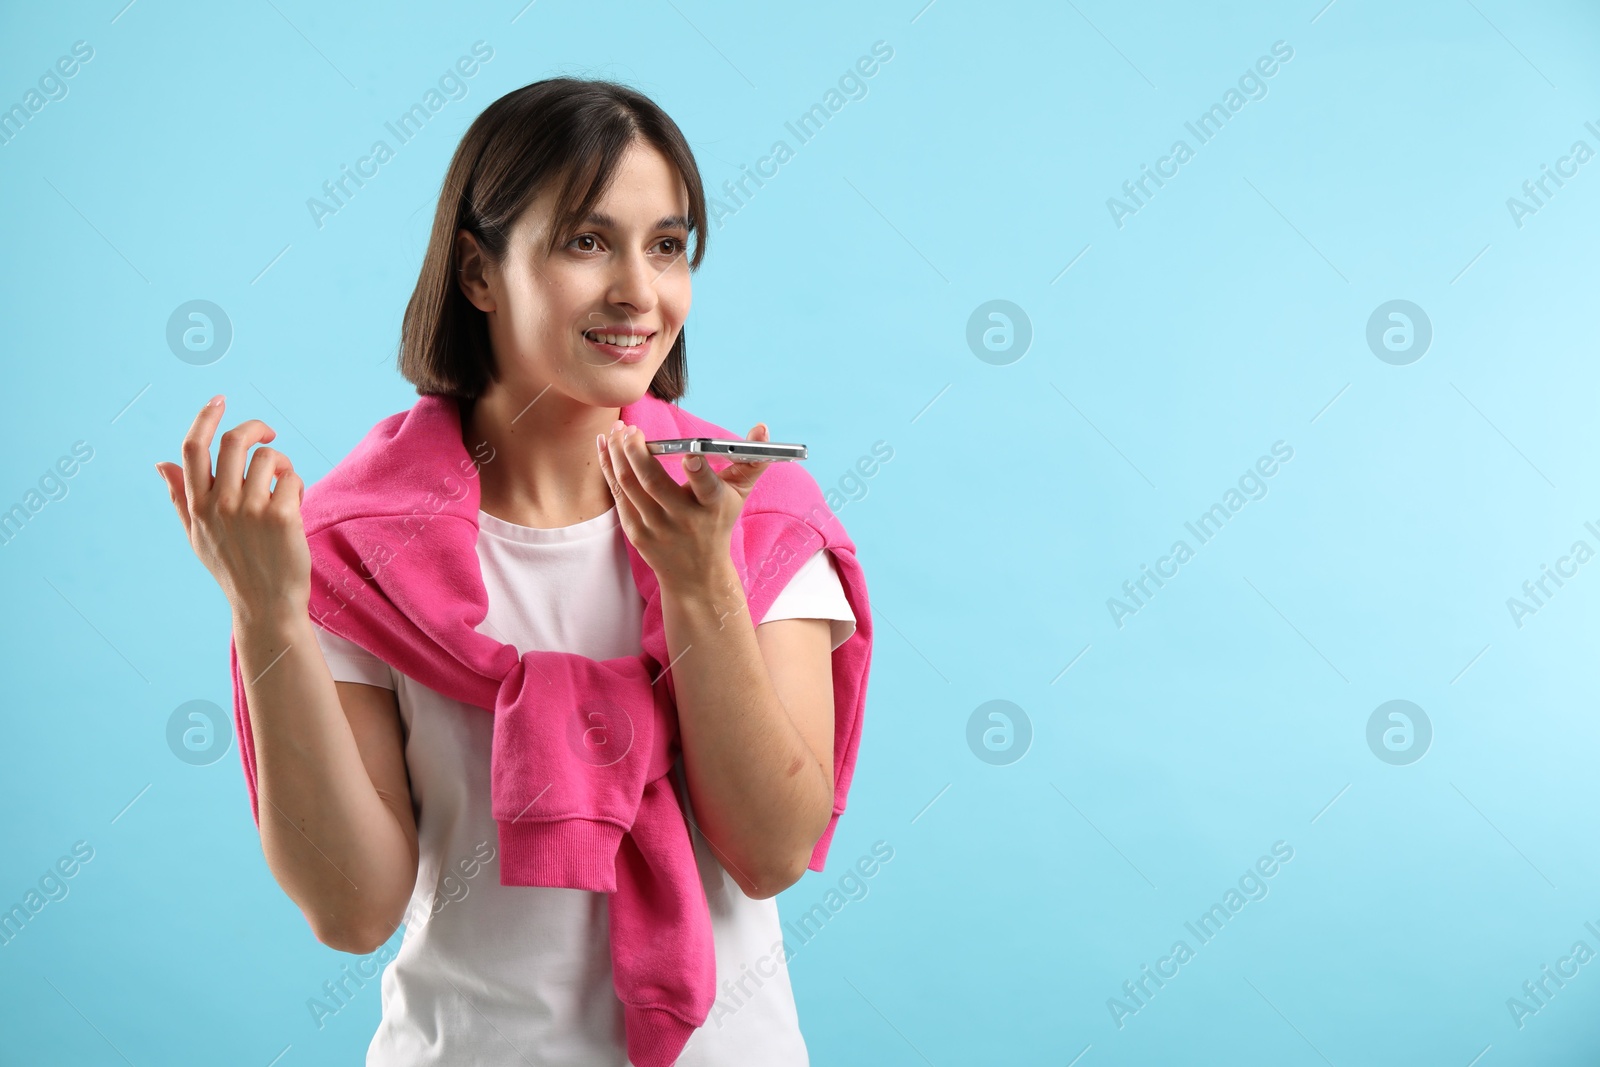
(582, 748)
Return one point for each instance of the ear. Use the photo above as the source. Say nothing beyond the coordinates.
(472, 270)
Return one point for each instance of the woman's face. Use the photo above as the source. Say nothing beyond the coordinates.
(595, 319)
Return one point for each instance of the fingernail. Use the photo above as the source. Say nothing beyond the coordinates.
(600, 442)
(215, 401)
(692, 463)
(617, 425)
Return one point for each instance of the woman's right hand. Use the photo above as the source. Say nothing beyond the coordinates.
(248, 534)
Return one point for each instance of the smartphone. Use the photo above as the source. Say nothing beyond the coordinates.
(738, 451)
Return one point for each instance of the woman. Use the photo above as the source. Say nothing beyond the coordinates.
(552, 295)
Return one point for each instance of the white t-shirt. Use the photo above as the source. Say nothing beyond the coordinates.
(488, 973)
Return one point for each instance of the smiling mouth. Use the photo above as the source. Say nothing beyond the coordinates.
(621, 349)
(618, 340)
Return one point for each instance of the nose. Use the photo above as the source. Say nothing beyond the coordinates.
(633, 282)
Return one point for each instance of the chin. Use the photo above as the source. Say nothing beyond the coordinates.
(616, 386)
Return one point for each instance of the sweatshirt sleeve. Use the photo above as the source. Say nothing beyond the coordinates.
(241, 726)
(576, 741)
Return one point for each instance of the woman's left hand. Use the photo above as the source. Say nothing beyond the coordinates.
(682, 531)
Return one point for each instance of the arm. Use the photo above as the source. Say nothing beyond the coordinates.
(755, 705)
(755, 712)
(336, 823)
(333, 802)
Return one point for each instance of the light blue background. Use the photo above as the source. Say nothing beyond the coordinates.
(1229, 313)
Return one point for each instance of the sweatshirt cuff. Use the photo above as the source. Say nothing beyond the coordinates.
(655, 1036)
(564, 854)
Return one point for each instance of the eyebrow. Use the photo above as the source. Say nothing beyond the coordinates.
(667, 222)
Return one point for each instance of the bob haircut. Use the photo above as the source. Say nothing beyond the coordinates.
(568, 130)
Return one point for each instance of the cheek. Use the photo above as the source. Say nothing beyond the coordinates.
(675, 298)
(541, 291)
(529, 320)
(538, 305)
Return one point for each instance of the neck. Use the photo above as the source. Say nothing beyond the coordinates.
(543, 471)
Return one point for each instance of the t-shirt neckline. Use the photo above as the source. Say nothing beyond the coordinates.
(603, 523)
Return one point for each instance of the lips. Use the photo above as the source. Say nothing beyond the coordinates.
(633, 353)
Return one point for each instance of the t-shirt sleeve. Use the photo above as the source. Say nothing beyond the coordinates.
(816, 592)
(349, 662)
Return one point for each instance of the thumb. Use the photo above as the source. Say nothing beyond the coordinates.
(703, 481)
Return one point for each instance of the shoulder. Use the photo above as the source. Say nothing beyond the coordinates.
(412, 455)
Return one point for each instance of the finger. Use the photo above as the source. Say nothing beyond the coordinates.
(264, 464)
(625, 508)
(289, 493)
(230, 458)
(649, 470)
(172, 474)
(197, 451)
(743, 476)
(631, 471)
(758, 432)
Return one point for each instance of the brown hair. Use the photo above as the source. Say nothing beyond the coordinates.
(571, 130)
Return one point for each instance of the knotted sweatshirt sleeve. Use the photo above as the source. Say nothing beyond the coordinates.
(576, 742)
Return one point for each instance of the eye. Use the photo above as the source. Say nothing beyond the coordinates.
(581, 237)
(677, 246)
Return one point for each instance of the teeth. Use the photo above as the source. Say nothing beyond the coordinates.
(621, 340)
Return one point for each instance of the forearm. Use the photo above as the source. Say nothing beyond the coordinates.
(331, 842)
(760, 796)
